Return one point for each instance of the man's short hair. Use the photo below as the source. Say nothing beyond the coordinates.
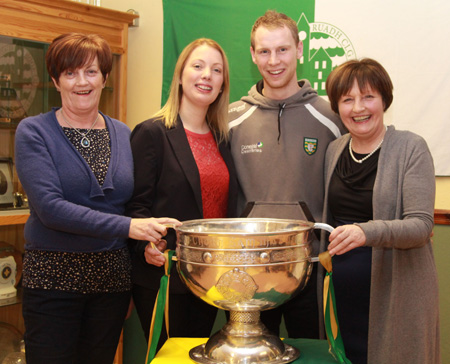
(272, 20)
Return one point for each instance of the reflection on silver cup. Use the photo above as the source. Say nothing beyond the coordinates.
(245, 266)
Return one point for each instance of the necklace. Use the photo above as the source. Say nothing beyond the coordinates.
(367, 156)
(85, 142)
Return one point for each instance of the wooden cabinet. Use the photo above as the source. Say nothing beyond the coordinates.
(43, 20)
(26, 29)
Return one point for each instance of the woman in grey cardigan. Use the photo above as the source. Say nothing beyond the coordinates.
(380, 190)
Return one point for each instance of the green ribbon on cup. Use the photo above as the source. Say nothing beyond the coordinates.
(329, 307)
(160, 309)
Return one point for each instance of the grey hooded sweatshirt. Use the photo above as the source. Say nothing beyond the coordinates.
(279, 146)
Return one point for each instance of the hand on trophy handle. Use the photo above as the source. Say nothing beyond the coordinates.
(151, 229)
(153, 253)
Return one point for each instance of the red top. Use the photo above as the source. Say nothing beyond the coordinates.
(214, 176)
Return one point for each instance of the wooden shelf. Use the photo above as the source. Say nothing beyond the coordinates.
(12, 300)
(442, 217)
(14, 216)
(44, 20)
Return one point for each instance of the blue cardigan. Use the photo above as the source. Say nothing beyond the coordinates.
(69, 210)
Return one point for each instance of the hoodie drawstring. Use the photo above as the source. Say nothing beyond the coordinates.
(280, 112)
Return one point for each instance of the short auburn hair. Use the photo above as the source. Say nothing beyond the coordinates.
(74, 50)
(367, 72)
(272, 20)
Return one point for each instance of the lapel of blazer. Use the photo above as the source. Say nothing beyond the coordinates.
(182, 151)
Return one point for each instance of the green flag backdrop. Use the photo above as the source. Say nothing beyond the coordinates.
(229, 23)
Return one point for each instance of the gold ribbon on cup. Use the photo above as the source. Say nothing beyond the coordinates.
(329, 310)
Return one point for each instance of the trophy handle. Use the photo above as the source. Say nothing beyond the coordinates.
(323, 226)
(170, 226)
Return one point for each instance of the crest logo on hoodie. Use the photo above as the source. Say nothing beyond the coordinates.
(310, 145)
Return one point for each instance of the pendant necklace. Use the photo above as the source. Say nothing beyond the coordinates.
(367, 156)
(85, 142)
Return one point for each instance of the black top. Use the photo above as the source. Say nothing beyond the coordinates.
(350, 200)
(351, 187)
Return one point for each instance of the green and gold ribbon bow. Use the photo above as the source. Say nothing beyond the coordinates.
(329, 311)
(161, 309)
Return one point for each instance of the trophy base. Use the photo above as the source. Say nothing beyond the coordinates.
(244, 340)
(290, 354)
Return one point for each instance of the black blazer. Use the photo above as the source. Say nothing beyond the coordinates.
(167, 184)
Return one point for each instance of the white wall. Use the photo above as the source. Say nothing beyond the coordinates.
(144, 58)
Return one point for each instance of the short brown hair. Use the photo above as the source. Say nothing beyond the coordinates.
(217, 114)
(73, 50)
(367, 73)
(271, 20)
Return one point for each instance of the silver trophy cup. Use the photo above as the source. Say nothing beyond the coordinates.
(245, 266)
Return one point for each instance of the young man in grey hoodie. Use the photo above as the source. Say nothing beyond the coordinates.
(279, 136)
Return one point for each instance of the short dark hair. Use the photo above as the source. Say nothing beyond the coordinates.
(272, 20)
(73, 50)
(366, 72)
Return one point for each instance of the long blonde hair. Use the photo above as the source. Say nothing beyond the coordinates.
(217, 114)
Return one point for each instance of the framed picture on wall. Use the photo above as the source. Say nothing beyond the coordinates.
(6, 184)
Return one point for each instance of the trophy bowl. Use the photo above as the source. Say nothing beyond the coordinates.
(245, 266)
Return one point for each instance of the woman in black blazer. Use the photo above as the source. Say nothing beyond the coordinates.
(183, 169)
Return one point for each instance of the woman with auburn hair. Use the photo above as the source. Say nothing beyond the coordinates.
(75, 164)
(380, 190)
(183, 168)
